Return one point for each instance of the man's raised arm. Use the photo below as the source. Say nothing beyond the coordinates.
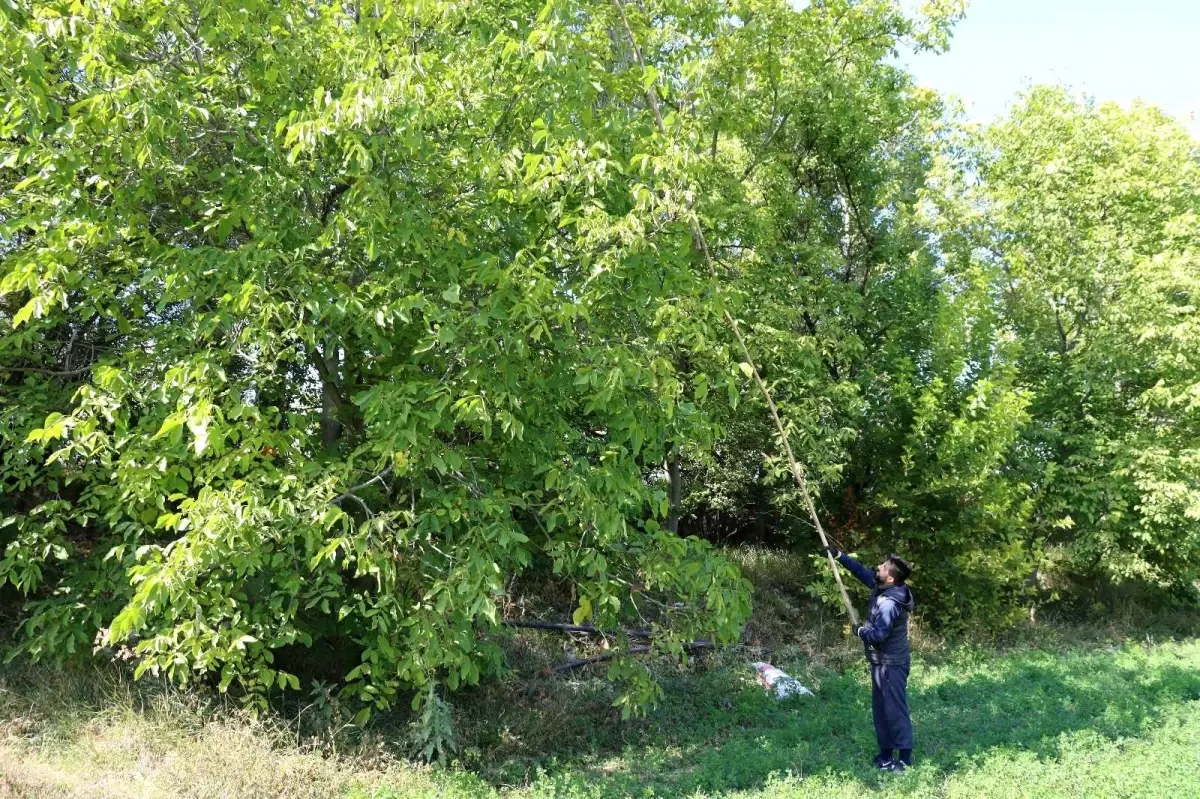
(864, 575)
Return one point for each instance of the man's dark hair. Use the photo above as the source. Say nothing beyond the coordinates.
(900, 568)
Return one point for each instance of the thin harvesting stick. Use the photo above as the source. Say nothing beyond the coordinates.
(702, 245)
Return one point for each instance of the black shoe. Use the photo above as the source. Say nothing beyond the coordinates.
(895, 766)
(882, 763)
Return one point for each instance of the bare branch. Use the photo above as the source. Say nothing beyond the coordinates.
(51, 372)
(376, 479)
(691, 646)
(352, 493)
(570, 628)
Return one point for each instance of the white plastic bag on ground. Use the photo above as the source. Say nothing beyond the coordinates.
(778, 682)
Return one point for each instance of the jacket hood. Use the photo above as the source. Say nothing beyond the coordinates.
(901, 596)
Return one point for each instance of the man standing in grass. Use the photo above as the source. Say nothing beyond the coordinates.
(885, 636)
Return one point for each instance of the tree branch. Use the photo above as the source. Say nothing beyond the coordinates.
(376, 479)
(331, 200)
(52, 372)
(575, 664)
(691, 646)
(352, 493)
(570, 628)
(770, 137)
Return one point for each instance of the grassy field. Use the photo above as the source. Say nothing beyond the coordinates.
(1053, 711)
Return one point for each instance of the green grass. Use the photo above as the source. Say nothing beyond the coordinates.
(1063, 719)
(1081, 722)
(1045, 711)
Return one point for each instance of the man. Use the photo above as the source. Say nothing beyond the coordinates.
(885, 637)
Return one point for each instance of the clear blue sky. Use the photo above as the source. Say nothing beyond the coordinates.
(1110, 49)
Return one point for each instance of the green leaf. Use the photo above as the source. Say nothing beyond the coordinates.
(172, 422)
(26, 312)
(649, 76)
(198, 419)
(583, 612)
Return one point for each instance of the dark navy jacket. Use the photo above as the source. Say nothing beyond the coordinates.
(885, 632)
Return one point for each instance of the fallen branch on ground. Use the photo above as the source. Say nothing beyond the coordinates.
(572, 628)
(633, 650)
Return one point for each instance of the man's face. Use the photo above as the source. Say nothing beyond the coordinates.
(883, 574)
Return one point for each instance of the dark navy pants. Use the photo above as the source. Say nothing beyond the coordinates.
(889, 705)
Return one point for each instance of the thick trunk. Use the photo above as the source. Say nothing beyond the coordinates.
(331, 426)
(761, 505)
(675, 488)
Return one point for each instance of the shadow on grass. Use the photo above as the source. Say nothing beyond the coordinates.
(718, 732)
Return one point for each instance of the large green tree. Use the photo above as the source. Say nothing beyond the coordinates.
(321, 321)
(328, 319)
(1085, 221)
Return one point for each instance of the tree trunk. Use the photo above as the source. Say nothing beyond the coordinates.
(760, 509)
(675, 488)
(331, 426)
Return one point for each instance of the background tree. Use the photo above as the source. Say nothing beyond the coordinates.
(1086, 228)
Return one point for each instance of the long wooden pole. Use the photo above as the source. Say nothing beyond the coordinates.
(701, 243)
